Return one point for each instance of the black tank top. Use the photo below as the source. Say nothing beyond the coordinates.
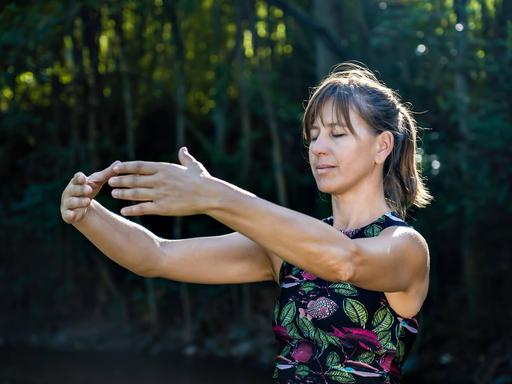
(335, 332)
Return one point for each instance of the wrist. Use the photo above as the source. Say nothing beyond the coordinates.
(221, 195)
(87, 217)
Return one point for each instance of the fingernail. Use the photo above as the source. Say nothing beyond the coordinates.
(186, 150)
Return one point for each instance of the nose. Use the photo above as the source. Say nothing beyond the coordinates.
(319, 145)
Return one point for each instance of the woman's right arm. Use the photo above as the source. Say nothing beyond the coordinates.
(225, 259)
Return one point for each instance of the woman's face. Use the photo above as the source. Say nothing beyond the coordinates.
(340, 160)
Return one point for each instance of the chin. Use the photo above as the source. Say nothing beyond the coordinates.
(328, 188)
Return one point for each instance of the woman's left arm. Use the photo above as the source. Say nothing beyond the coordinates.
(188, 189)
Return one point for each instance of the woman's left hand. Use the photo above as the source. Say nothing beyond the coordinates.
(163, 188)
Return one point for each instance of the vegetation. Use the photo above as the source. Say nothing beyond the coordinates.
(85, 83)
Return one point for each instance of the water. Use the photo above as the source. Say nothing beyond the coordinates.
(41, 366)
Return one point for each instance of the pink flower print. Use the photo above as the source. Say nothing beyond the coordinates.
(319, 308)
(281, 332)
(303, 351)
(357, 337)
(395, 372)
(308, 276)
(386, 359)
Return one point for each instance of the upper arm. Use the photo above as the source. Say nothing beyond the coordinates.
(395, 261)
(226, 259)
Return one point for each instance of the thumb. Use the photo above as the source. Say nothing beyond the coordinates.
(105, 174)
(186, 158)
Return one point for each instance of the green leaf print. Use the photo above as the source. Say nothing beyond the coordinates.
(276, 311)
(366, 357)
(276, 373)
(302, 370)
(293, 331)
(356, 311)
(382, 320)
(372, 230)
(399, 330)
(345, 289)
(400, 350)
(295, 271)
(288, 313)
(307, 327)
(286, 350)
(385, 340)
(321, 339)
(308, 286)
(332, 359)
(333, 340)
(341, 376)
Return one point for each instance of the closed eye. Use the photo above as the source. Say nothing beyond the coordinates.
(338, 135)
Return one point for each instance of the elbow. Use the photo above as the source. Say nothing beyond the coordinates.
(150, 264)
(145, 272)
(346, 267)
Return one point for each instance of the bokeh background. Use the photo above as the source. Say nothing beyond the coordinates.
(84, 83)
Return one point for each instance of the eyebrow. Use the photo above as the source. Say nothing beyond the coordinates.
(330, 125)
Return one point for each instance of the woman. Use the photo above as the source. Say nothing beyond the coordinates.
(351, 284)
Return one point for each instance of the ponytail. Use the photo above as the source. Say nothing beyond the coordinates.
(403, 184)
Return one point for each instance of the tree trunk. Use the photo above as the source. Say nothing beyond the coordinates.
(329, 13)
(130, 148)
(471, 263)
(221, 81)
(90, 18)
(243, 101)
(270, 117)
(185, 298)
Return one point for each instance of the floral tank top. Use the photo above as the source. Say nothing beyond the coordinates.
(335, 332)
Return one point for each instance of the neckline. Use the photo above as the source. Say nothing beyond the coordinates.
(351, 232)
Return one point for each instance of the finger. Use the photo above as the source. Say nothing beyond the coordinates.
(137, 167)
(187, 160)
(78, 178)
(105, 174)
(79, 190)
(134, 194)
(68, 215)
(132, 181)
(147, 208)
(77, 202)
(72, 215)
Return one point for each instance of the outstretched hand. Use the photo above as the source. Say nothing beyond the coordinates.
(165, 189)
(80, 191)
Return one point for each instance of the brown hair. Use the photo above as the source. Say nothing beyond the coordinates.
(352, 85)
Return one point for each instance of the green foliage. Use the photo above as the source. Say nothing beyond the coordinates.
(63, 108)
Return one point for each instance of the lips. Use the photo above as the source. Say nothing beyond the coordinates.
(323, 166)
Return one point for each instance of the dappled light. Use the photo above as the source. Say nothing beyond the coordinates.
(83, 84)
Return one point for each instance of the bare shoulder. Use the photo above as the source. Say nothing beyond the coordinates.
(406, 239)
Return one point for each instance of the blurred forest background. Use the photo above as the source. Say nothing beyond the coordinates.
(85, 83)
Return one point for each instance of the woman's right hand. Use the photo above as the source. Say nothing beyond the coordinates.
(80, 191)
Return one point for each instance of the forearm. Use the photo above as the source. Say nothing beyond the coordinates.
(297, 238)
(123, 241)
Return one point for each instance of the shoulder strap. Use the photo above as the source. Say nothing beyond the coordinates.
(392, 219)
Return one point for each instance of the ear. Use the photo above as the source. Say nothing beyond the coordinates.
(384, 146)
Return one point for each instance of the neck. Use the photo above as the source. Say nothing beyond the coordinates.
(359, 206)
